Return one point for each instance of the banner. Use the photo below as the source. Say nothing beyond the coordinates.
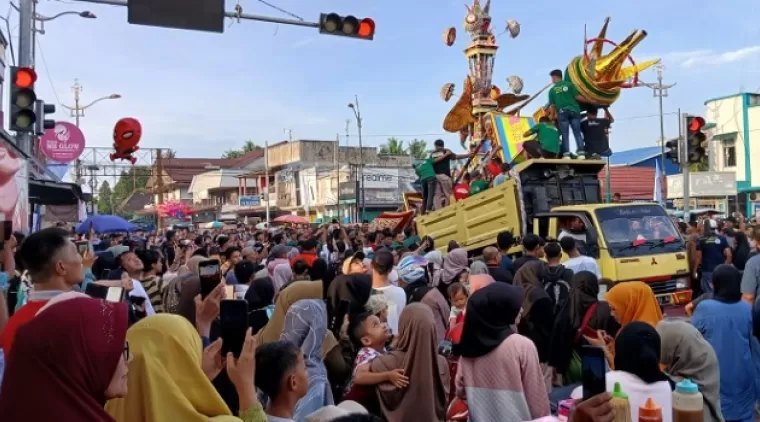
(14, 189)
(63, 143)
(509, 132)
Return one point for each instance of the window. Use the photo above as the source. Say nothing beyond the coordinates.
(754, 99)
(729, 153)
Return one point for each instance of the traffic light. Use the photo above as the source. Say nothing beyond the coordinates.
(346, 26)
(23, 99)
(696, 141)
(40, 110)
(673, 150)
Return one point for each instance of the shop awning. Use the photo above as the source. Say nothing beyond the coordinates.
(725, 136)
(46, 192)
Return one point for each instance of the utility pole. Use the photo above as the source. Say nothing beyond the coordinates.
(25, 56)
(337, 173)
(159, 183)
(358, 114)
(76, 89)
(660, 91)
(266, 177)
(290, 134)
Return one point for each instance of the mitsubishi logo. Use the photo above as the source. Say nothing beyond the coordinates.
(654, 261)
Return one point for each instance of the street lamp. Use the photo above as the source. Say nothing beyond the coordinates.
(77, 111)
(42, 18)
(358, 115)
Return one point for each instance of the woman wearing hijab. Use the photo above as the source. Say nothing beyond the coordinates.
(173, 289)
(306, 327)
(499, 372)
(637, 369)
(537, 321)
(168, 383)
(412, 271)
(338, 370)
(347, 296)
(455, 268)
(725, 321)
(582, 311)
(283, 275)
(435, 265)
(416, 353)
(686, 354)
(260, 298)
(66, 362)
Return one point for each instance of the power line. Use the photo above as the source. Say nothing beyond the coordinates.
(410, 135)
(47, 71)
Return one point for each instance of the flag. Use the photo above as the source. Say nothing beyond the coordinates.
(657, 183)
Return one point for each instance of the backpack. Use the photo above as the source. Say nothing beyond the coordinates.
(558, 290)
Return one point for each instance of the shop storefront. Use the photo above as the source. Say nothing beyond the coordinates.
(707, 189)
(377, 201)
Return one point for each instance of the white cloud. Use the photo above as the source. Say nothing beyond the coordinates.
(695, 58)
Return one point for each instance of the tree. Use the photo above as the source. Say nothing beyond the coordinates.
(393, 147)
(418, 149)
(105, 198)
(248, 146)
(170, 153)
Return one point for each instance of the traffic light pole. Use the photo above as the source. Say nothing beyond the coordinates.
(684, 161)
(25, 56)
(234, 15)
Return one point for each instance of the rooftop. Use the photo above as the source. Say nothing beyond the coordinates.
(634, 156)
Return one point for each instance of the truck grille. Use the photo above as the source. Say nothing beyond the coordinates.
(663, 287)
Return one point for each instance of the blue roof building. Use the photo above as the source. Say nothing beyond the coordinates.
(643, 157)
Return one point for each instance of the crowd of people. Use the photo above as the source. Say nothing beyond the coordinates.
(351, 324)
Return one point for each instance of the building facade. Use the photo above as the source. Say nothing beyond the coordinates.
(735, 143)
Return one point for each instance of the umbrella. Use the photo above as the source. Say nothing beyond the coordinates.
(214, 225)
(292, 219)
(104, 223)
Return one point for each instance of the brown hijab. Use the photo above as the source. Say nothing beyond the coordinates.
(529, 277)
(417, 354)
(296, 291)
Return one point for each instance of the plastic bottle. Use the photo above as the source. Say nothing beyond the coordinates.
(620, 404)
(688, 403)
(650, 412)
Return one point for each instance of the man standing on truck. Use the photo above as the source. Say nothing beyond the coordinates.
(596, 132)
(442, 158)
(565, 99)
(547, 136)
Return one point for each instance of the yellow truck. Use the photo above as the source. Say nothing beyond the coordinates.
(630, 241)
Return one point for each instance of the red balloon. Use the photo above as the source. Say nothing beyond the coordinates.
(126, 136)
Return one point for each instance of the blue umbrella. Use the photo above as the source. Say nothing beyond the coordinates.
(214, 225)
(104, 223)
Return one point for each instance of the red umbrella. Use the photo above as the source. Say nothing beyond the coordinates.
(292, 219)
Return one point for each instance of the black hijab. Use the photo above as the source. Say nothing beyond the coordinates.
(726, 282)
(490, 314)
(637, 351)
(260, 293)
(347, 295)
(584, 292)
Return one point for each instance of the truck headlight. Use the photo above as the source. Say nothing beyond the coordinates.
(682, 283)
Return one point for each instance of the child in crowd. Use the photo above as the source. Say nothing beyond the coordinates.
(478, 183)
(371, 335)
(462, 189)
(377, 305)
(503, 176)
(281, 375)
(458, 296)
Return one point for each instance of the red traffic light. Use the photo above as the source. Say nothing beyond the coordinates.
(366, 28)
(696, 124)
(25, 77)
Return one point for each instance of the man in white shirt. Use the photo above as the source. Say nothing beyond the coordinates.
(382, 265)
(576, 261)
(574, 229)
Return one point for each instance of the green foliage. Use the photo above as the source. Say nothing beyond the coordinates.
(105, 198)
(393, 147)
(248, 146)
(418, 149)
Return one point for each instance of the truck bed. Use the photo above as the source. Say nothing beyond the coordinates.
(474, 222)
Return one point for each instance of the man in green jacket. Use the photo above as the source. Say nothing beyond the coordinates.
(565, 99)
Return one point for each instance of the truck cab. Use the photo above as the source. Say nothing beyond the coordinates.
(629, 241)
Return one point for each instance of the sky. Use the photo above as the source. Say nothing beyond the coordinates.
(202, 93)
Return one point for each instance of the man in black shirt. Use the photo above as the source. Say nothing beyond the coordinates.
(442, 158)
(596, 132)
(492, 256)
(533, 249)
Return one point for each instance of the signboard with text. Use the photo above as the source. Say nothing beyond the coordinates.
(380, 178)
(249, 200)
(63, 143)
(703, 184)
